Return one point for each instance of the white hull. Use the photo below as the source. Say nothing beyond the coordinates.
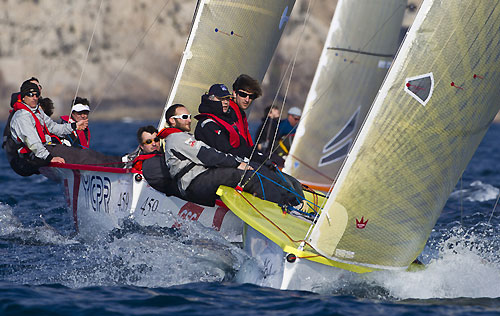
(280, 273)
(100, 199)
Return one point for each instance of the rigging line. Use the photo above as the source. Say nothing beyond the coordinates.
(461, 202)
(261, 131)
(360, 52)
(86, 56)
(354, 58)
(110, 85)
(312, 168)
(270, 221)
(306, 20)
(321, 95)
(292, 65)
(493, 210)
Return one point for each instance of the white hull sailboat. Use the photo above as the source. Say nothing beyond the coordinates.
(100, 199)
(432, 111)
(217, 51)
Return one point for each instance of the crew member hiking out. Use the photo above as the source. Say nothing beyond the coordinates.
(200, 169)
(29, 143)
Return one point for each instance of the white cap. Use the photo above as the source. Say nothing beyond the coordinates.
(295, 111)
(80, 107)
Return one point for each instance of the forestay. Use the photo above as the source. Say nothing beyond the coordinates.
(361, 43)
(429, 117)
(228, 38)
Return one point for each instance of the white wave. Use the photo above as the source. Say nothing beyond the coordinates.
(477, 192)
(155, 257)
(12, 228)
(467, 266)
(8, 222)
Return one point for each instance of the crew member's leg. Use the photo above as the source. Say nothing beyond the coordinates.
(74, 155)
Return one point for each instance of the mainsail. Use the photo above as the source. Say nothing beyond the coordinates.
(361, 43)
(430, 115)
(228, 38)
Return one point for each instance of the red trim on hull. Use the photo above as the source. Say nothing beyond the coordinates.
(220, 212)
(91, 168)
(76, 189)
(220, 203)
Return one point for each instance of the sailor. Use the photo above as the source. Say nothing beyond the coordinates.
(79, 111)
(15, 96)
(47, 105)
(151, 161)
(267, 129)
(29, 144)
(286, 130)
(218, 125)
(200, 169)
(245, 90)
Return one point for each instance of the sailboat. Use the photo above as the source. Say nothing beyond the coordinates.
(227, 38)
(434, 107)
(361, 43)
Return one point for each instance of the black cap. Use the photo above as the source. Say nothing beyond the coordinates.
(28, 87)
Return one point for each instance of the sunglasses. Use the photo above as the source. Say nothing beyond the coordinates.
(244, 95)
(182, 116)
(149, 141)
(33, 94)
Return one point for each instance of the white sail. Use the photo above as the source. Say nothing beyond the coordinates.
(361, 43)
(228, 38)
(430, 115)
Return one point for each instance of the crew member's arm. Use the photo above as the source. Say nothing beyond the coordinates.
(212, 135)
(64, 128)
(200, 153)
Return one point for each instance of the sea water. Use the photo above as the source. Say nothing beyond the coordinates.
(45, 269)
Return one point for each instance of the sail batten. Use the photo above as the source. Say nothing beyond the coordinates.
(424, 126)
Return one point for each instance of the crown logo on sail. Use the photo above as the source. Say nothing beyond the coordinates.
(360, 224)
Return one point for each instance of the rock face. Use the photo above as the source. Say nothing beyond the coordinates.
(135, 50)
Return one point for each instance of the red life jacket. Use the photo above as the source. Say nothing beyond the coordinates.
(137, 163)
(242, 123)
(82, 138)
(41, 130)
(234, 137)
(167, 131)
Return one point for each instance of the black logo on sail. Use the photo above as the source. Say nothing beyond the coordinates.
(338, 147)
(420, 87)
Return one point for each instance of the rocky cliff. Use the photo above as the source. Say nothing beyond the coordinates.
(134, 54)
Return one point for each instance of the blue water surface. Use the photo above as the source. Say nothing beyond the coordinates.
(46, 270)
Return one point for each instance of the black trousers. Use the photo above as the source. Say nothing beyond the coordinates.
(203, 188)
(75, 155)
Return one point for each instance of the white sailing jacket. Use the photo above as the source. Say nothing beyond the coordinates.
(22, 126)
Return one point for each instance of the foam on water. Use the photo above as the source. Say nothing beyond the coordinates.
(154, 257)
(476, 192)
(12, 229)
(467, 265)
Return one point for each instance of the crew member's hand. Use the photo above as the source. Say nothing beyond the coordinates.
(81, 125)
(58, 159)
(244, 166)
